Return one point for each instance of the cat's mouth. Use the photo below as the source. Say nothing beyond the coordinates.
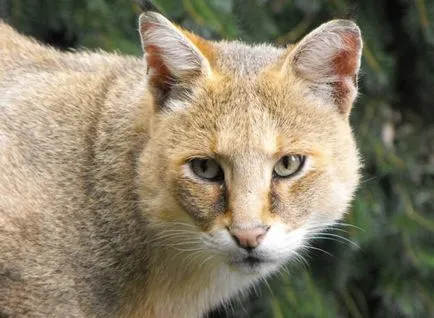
(252, 261)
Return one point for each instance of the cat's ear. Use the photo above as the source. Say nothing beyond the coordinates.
(329, 59)
(172, 57)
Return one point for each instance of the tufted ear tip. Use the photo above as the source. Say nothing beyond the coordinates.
(151, 16)
(342, 24)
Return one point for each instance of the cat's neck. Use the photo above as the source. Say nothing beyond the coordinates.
(178, 285)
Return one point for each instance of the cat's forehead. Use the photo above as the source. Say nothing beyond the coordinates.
(243, 119)
(243, 59)
(248, 130)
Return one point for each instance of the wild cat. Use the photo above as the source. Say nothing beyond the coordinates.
(165, 186)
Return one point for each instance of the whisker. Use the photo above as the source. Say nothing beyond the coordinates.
(185, 242)
(329, 236)
(264, 280)
(162, 232)
(192, 257)
(255, 289)
(186, 249)
(206, 260)
(181, 224)
(319, 249)
(285, 269)
(301, 259)
(167, 235)
(327, 230)
(350, 225)
(373, 178)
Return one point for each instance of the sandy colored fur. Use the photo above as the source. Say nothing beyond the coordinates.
(99, 214)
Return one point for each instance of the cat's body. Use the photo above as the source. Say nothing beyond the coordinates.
(100, 215)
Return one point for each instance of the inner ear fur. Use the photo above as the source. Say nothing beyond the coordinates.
(329, 58)
(173, 56)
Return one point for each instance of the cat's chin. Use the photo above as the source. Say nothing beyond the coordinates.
(253, 265)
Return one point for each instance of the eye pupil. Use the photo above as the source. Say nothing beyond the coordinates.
(285, 161)
(204, 165)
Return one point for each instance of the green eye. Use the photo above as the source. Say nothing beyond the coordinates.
(208, 169)
(288, 166)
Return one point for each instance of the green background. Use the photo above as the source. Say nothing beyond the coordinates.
(380, 262)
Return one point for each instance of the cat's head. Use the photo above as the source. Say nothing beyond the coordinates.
(251, 151)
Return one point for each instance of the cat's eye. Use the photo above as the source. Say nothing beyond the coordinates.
(208, 169)
(288, 166)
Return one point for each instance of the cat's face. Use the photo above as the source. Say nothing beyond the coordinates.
(245, 157)
(250, 167)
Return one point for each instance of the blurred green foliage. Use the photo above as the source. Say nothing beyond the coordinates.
(380, 261)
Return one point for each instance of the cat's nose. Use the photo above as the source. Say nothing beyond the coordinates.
(248, 238)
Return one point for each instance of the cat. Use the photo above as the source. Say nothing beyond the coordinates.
(164, 186)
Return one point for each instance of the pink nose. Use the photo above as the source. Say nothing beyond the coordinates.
(248, 238)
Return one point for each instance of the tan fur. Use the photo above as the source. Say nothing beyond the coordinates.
(100, 214)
